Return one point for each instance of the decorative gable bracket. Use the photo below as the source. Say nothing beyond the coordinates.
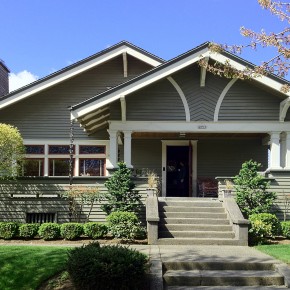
(284, 105)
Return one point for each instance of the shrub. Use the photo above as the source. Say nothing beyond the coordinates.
(95, 230)
(263, 226)
(251, 190)
(286, 229)
(121, 194)
(28, 231)
(108, 267)
(124, 225)
(71, 231)
(49, 231)
(8, 230)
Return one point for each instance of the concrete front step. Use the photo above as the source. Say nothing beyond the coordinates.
(225, 287)
(192, 209)
(223, 278)
(194, 227)
(190, 203)
(193, 215)
(217, 265)
(197, 234)
(197, 241)
(195, 221)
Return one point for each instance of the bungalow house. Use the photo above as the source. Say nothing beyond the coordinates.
(171, 117)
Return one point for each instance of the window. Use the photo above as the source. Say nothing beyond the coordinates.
(59, 149)
(92, 149)
(34, 149)
(33, 167)
(40, 218)
(59, 167)
(92, 167)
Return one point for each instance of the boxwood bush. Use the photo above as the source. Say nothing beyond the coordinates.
(95, 230)
(49, 231)
(263, 226)
(71, 231)
(125, 225)
(108, 267)
(28, 231)
(286, 229)
(8, 230)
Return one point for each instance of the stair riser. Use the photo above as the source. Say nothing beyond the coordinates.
(221, 266)
(192, 209)
(192, 215)
(194, 221)
(190, 227)
(223, 281)
(205, 242)
(198, 235)
(191, 204)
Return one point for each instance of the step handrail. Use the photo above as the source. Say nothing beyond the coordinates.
(239, 223)
(152, 219)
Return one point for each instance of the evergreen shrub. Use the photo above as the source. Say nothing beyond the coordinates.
(95, 230)
(28, 231)
(125, 225)
(286, 229)
(108, 267)
(8, 230)
(71, 231)
(49, 231)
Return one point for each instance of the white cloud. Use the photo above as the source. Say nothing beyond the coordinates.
(18, 80)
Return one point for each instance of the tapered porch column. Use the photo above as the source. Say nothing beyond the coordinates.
(275, 150)
(113, 156)
(128, 148)
(287, 150)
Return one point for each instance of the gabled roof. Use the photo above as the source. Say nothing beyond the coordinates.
(79, 67)
(165, 70)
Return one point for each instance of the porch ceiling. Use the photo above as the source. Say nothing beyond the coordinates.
(193, 136)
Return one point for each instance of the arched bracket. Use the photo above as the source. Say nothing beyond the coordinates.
(284, 105)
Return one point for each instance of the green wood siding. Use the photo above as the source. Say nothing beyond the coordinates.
(46, 115)
(244, 101)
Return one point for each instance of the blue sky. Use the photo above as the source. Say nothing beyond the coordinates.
(43, 36)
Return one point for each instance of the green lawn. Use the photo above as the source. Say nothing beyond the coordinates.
(280, 252)
(26, 267)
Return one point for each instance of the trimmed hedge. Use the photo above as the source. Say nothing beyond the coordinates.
(286, 229)
(28, 231)
(108, 267)
(71, 231)
(49, 231)
(95, 230)
(8, 230)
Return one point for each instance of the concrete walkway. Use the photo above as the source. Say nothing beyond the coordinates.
(164, 253)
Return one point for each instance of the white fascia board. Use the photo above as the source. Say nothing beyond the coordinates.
(75, 71)
(269, 82)
(143, 82)
(200, 127)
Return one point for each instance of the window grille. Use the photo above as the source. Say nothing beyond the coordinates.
(40, 217)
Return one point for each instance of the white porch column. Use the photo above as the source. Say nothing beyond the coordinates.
(128, 148)
(113, 154)
(287, 150)
(275, 150)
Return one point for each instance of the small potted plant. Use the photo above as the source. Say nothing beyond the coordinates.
(152, 182)
(229, 187)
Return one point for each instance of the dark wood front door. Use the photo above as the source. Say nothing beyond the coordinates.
(178, 171)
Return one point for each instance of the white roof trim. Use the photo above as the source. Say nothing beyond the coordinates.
(75, 71)
(166, 72)
(163, 73)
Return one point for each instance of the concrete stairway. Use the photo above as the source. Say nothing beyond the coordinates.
(221, 275)
(194, 221)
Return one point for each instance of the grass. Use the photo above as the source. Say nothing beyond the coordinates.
(26, 267)
(280, 252)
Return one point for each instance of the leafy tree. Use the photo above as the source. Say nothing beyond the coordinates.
(121, 194)
(279, 40)
(252, 193)
(11, 151)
